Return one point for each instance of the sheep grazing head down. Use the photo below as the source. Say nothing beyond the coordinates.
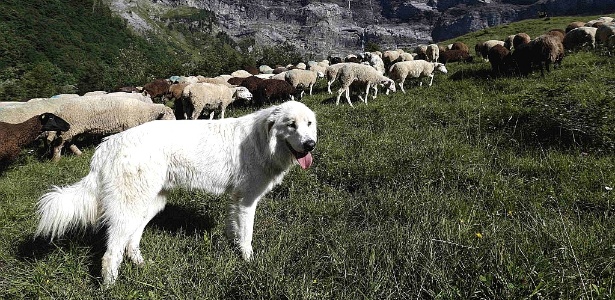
(389, 84)
(243, 93)
(440, 67)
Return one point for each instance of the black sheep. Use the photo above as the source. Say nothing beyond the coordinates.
(14, 136)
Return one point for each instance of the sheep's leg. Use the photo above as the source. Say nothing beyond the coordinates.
(401, 86)
(366, 93)
(339, 94)
(311, 86)
(57, 150)
(75, 150)
(211, 115)
(376, 91)
(348, 95)
(329, 83)
(302, 92)
(431, 79)
(222, 113)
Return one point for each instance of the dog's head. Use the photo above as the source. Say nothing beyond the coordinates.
(292, 128)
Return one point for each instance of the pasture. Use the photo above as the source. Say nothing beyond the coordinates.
(476, 187)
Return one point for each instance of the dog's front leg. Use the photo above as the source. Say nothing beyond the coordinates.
(241, 224)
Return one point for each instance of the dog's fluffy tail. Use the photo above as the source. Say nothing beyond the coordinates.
(66, 208)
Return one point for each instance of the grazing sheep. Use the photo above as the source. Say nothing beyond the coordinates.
(558, 33)
(15, 136)
(331, 74)
(335, 60)
(265, 69)
(274, 89)
(455, 55)
(301, 66)
(303, 79)
(521, 38)
(574, 25)
(157, 88)
(508, 42)
(500, 59)
(364, 74)
(603, 33)
(415, 69)
(390, 57)
(548, 50)
(420, 52)
(580, 37)
(406, 56)
(251, 83)
(236, 80)
(19, 113)
(484, 49)
(241, 73)
(200, 96)
(375, 61)
(251, 69)
(279, 70)
(460, 46)
(352, 58)
(318, 68)
(432, 52)
(176, 93)
(91, 115)
(280, 76)
(215, 80)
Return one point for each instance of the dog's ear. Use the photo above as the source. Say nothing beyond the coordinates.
(269, 125)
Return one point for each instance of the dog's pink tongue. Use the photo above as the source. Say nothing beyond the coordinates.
(306, 161)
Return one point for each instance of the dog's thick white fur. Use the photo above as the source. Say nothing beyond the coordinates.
(132, 171)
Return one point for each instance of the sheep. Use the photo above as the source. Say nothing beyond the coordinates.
(301, 66)
(157, 88)
(415, 69)
(484, 49)
(454, 55)
(420, 52)
(406, 56)
(508, 42)
(363, 74)
(319, 68)
(302, 79)
(265, 69)
(274, 89)
(375, 61)
(176, 93)
(460, 46)
(251, 83)
(15, 136)
(390, 57)
(215, 80)
(580, 37)
(500, 59)
(521, 38)
(138, 96)
(236, 80)
(90, 115)
(558, 33)
(279, 70)
(573, 25)
(19, 113)
(604, 32)
(548, 50)
(251, 69)
(280, 76)
(432, 52)
(95, 93)
(351, 58)
(241, 73)
(335, 60)
(212, 96)
(331, 74)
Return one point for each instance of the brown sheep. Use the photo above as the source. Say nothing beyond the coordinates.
(15, 136)
(558, 33)
(274, 89)
(500, 59)
(521, 38)
(460, 46)
(455, 55)
(251, 83)
(604, 32)
(157, 88)
(176, 94)
(574, 25)
(236, 80)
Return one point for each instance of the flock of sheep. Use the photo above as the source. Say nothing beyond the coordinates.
(104, 113)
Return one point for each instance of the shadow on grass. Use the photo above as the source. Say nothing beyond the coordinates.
(173, 218)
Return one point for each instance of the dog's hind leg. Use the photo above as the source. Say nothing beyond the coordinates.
(120, 228)
(154, 207)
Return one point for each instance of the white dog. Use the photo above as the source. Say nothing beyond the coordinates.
(132, 171)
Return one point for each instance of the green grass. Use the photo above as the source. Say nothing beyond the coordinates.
(476, 187)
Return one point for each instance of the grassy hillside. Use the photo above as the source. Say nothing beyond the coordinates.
(474, 188)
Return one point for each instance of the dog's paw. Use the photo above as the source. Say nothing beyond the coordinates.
(246, 253)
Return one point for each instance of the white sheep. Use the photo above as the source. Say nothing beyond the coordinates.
(93, 115)
(361, 74)
(432, 52)
(331, 74)
(212, 96)
(19, 113)
(580, 37)
(241, 73)
(95, 93)
(265, 69)
(406, 56)
(415, 69)
(302, 79)
(301, 66)
(375, 61)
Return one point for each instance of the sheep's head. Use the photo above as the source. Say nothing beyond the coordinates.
(242, 93)
(389, 84)
(320, 74)
(440, 67)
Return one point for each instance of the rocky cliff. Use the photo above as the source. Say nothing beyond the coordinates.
(319, 28)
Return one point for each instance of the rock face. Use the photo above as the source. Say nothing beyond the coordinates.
(321, 28)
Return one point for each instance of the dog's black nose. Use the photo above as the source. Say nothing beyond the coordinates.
(309, 145)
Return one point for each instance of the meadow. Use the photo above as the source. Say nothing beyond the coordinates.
(478, 187)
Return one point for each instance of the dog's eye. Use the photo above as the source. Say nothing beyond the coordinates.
(292, 125)
(309, 123)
